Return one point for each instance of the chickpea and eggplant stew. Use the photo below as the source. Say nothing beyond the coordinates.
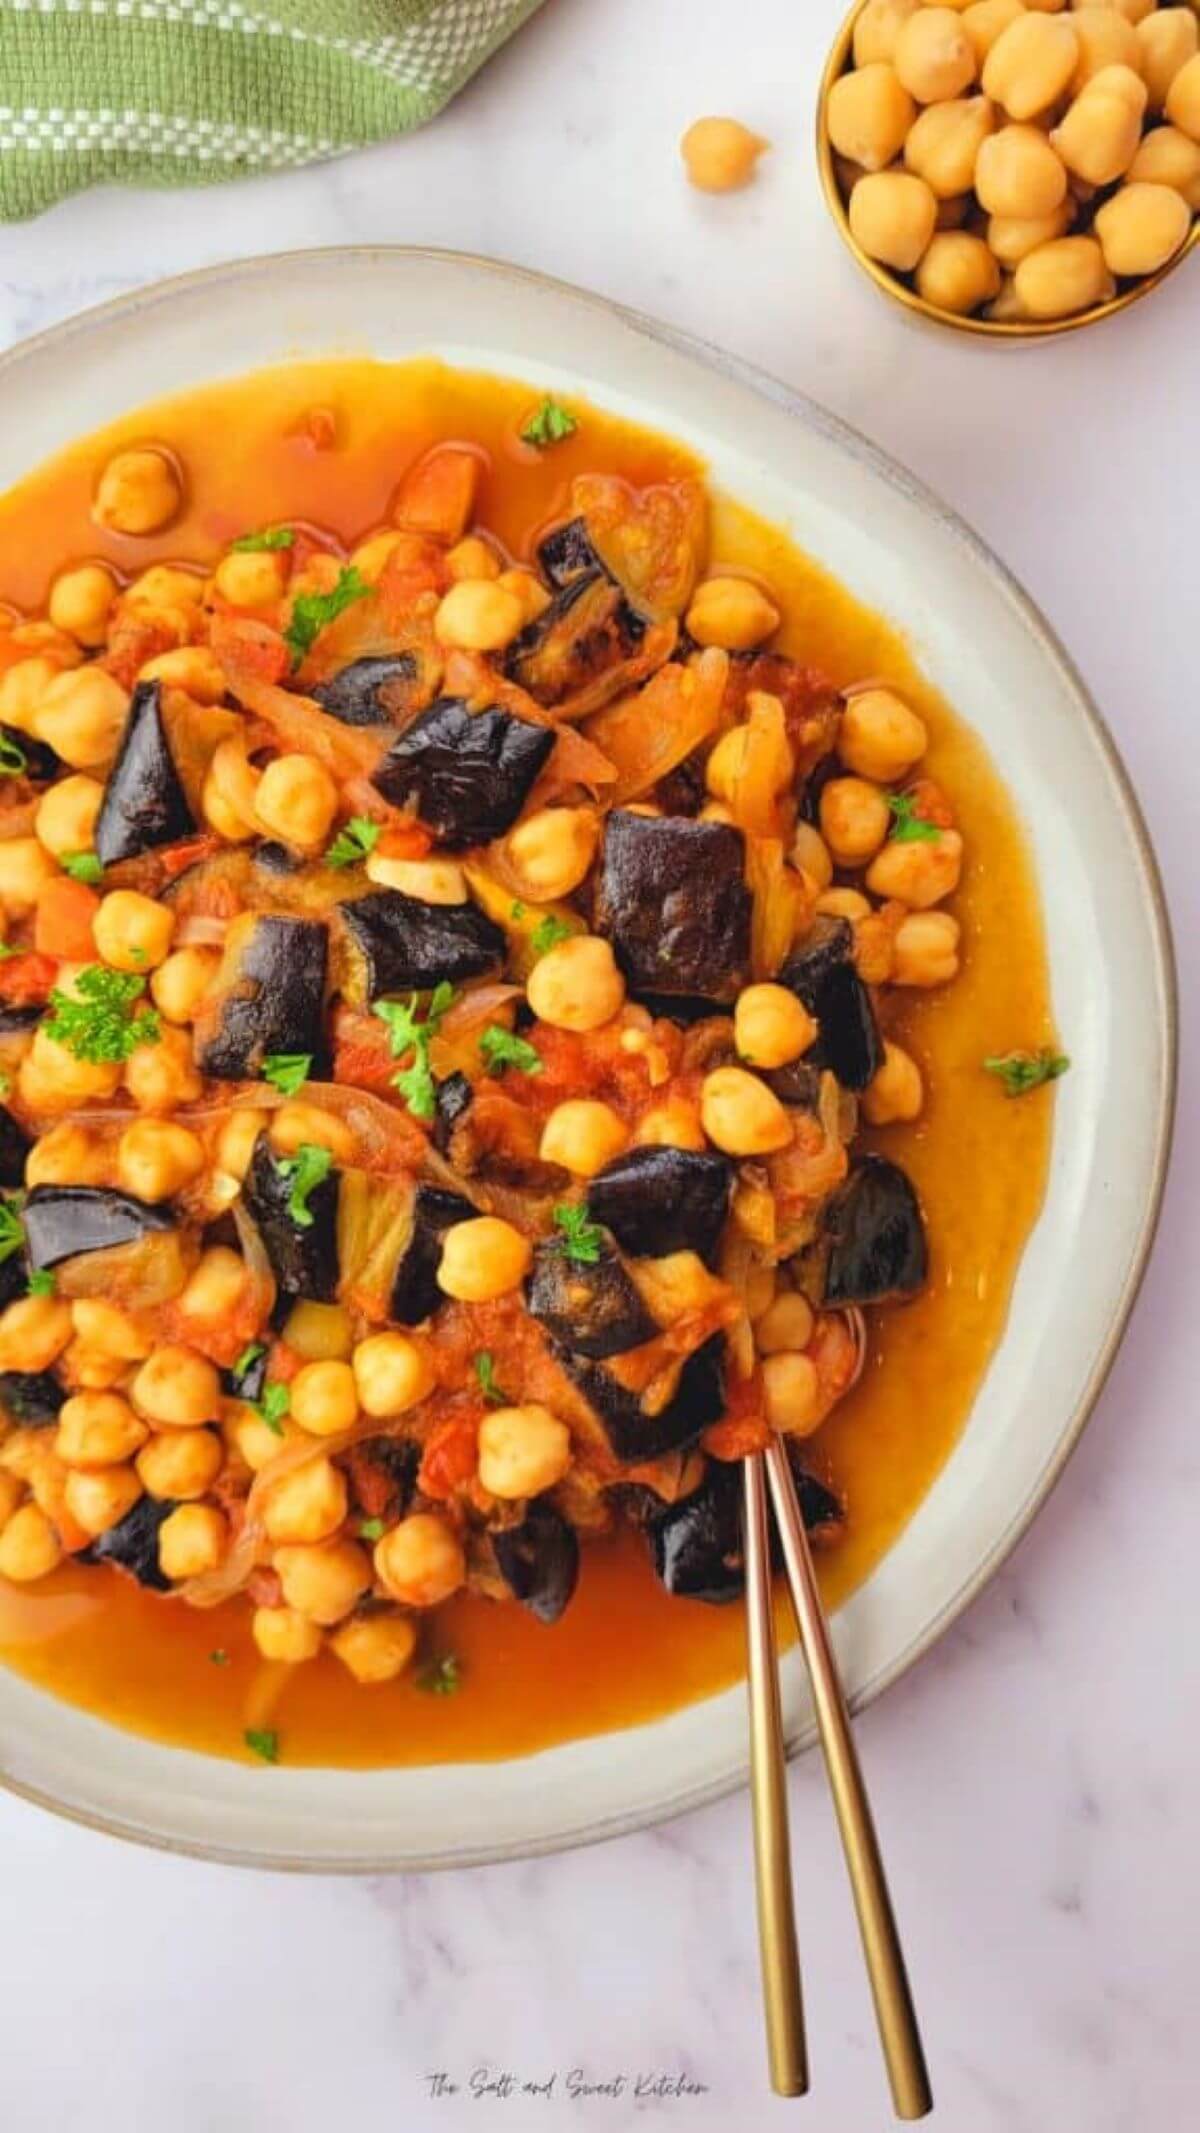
(439, 997)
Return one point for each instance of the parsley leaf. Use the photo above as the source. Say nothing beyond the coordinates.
(371, 1529)
(13, 759)
(1022, 1071)
(580, 1238)
(498, 1048)
(516, 910)
(41, 1282)
(5, 1084)
(256, 543)
(100, 1024)
(7, 949)
(441, 1677)
(352, 843)
(415, 1082)
(550, 425)
(262, 1741)
(287, 1071)
(548, 932)
(82, 866)
(485, 1371)
(312, 612)
(219, 1658)
(249, 1357)
(305, 1171)
(12, 1231)
(908, 827)
(275, 1403)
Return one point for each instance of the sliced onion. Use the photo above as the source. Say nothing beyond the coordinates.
(783, 903)
(647, 735)
(200, 931)
(296, 721)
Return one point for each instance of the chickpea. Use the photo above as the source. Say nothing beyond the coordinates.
(1012, 237)
(99, 1500)
(1167, 157)
(925, 950)
(131, 931)
(324, 1401)
(771, 1027)
(235, 1142)
(478, 616)
(918, 874)
(786, 1324)
(483, 1258)
(720, 154)
(897, 1091)
(674, 1124)
(868, 114)
(892, 215)
(180, 983)
(323, 1583)
(230, 795)
(1182, 104)
(741, 1115)
(934, 57)
(51, 1078)
(958, 273)
(105, 1327)
(732, 613)
(1132, 10)
(583, 1136)
(810, 854)
(319, 1333)
(1106, 39)
(375, 1648)
(431, 881)
(33, 1332)
(552, 850)
(1062, 278)
(156, 1159)
(522, 1451)
(298, 1125)
(67, 1155)
(1018, 173)
(296, 800)
(880, 737)
(764, 728)
(944, 143)
(1141, 227)
(251, 579)
(166, 589)
(191, 1541)
(138, 492)
(280, 1633)
(877, 27)
(29, 1546)
(529, 590)
(23, 687)
(392, 1372)
(791, 1393)
(854, 819)
(81, 601)
(12, 1491)
(256, 1444)
(180, 1464)
(98, 1429)
(25, 869)
(161, 1076)
(308, 1504)
(987, 20)
(1099, 134)
(371, 557)
(844, 903)
(177, 1388)
(472, 558)
(420, 1562)
(67, 814)
(190, 667)
(1030, 64)
(576, 985)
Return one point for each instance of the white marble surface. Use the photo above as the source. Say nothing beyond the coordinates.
(1035, 1780)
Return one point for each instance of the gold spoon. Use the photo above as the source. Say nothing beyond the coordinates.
(782, 2001)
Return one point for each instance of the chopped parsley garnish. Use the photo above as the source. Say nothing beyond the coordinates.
(548, 932)
(304, 1171)
(1022, 1071)
(100, 1024)
(275, 1403)
(371, 1529)
(82, 866)
(42, 1282)
(352, 843)
(12, 1232)
(498, 1048)
(908, 827)
(258, 543)
(485, 1371)
(312, 612)
(579, 1237)
(13, 759)
(218, 1658)
(249, 1357)
(550, 425)
(263, 1742)
(287, 1071)
(405, 1034)
(5, 1085)
(516, 910)
(7, 949)
(441, 1677)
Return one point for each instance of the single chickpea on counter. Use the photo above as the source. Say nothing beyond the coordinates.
(720, 154)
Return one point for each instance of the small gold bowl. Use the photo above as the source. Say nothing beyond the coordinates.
(891, 284)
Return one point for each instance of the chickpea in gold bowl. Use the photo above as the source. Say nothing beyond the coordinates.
(1014, 168)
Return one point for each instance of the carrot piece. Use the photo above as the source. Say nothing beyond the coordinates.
(63, 925)
(437, 496)
(26, 978)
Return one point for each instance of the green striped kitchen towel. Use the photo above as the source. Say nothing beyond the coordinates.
(183, 92)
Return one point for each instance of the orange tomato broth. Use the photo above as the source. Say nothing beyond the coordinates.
(624, 1652)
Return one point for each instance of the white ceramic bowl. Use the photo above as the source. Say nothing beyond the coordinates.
(984, 644)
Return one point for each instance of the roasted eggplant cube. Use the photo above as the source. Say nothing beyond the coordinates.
(696, 1545)
(14, 1278)
(822, 1511)
(588, 627)
(594, 1310)
(144, 804)
(821, 973)
(539, 1560)
(370, 692)
(64, 1220)
(455, 1095)
(874, 1236)
(30, 1397)
(269, 996)
(132, 1544)
(303, 1256)
(14, 1147)
(415, 1292)
(672, 899)
(635, 1435)
(41, 762)
(660, 1200)
(468, 773)
(567, 553)
(247, 1381)
(404, 944)
(382, 1472)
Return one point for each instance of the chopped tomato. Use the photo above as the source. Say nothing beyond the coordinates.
(175, 859)
(63, 924)
(405, 840)
(743, 1428)
(930, 804)
(317, 427)
(437, 496)
(451, 1454)
(362, 1054)
(26, 978)
(282, 1363)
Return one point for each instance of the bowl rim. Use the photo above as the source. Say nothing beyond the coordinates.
(889, 283)
(811, 414)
